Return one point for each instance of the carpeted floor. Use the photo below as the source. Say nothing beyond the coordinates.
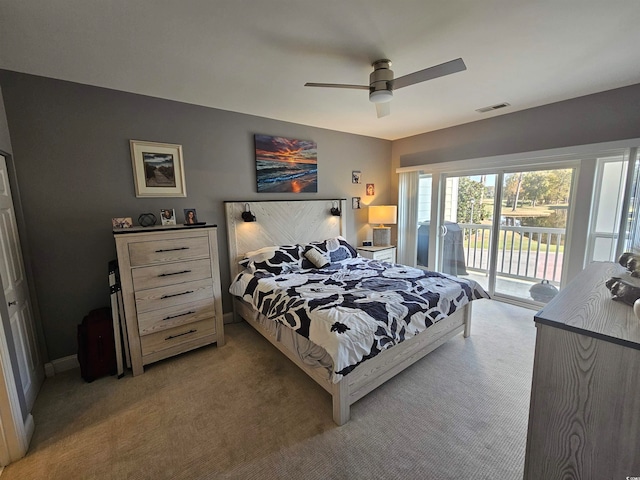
(244, 411)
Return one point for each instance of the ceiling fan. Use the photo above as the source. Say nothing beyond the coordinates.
(382, 84)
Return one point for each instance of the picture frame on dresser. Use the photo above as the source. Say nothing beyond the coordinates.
(190, 216)
(168, 216)
(121, 222)
(158, 169)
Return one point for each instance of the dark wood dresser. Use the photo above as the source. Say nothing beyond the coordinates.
(584, 420)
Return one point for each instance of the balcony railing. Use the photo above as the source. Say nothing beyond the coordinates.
(527, 253)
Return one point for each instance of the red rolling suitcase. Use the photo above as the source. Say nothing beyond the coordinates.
(96, 346)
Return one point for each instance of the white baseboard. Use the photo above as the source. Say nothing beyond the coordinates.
(29, 427)
(69, 363)
(61, 365)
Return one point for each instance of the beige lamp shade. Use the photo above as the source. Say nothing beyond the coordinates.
(381, 214)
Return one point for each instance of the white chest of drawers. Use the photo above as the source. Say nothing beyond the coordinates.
(170, 280)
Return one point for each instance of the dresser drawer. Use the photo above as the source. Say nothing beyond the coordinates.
(168, 250)
(176, 336)
(170, 274)
(157, 320)
(164, 297)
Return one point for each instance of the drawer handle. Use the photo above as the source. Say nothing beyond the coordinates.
(174, 273)
(176, 294)
(180, 315)
(180, 334)
(172, 249)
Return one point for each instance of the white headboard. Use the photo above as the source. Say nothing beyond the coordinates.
(280, 223)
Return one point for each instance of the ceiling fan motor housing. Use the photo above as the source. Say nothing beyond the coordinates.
(381, 82)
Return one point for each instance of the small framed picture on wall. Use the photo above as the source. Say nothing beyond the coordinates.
(371, 189)
(355, 202)
(356, 176)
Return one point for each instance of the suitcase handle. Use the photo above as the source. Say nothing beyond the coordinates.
(172, 249)
(179, 315)
(174, 273)
(176, 294)
(180, 334)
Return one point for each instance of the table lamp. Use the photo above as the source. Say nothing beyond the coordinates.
(381, 214)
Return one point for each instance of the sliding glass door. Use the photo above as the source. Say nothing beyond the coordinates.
(467, 226)
(507, 230)
(531, 246)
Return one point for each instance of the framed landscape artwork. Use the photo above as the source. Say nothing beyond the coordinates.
(286, 165)
(158, 169)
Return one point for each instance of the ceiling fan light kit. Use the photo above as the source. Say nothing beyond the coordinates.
(381, 96)
(382, 83)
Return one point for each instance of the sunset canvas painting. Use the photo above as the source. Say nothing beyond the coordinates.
(286, 165)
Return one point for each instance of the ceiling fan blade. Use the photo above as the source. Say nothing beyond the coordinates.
(383, 109)
(430, 73)
(337, 85)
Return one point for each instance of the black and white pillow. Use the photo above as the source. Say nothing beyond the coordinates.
(277, 259)
(335, 249)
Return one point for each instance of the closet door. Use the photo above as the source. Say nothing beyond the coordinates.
(16, 292)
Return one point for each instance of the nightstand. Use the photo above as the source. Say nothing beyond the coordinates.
(384, 254)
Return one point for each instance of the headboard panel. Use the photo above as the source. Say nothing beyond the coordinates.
(280, 223)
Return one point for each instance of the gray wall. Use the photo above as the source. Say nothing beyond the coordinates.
(71, 150)
(602, 117)
(5, 141)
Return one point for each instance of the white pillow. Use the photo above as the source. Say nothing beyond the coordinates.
(316, 257)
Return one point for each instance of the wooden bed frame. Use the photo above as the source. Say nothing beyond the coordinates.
(303, 221)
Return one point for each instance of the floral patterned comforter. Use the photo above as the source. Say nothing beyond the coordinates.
(357, 307)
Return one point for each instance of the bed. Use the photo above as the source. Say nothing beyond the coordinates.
(350, 323)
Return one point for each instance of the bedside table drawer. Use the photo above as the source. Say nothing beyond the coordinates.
(175, 336)
(386, 256)
(170, 274)
(382, 254)
(158, 320)
(169, 250)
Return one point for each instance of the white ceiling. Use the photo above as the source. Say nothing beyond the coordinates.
(254, 56)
